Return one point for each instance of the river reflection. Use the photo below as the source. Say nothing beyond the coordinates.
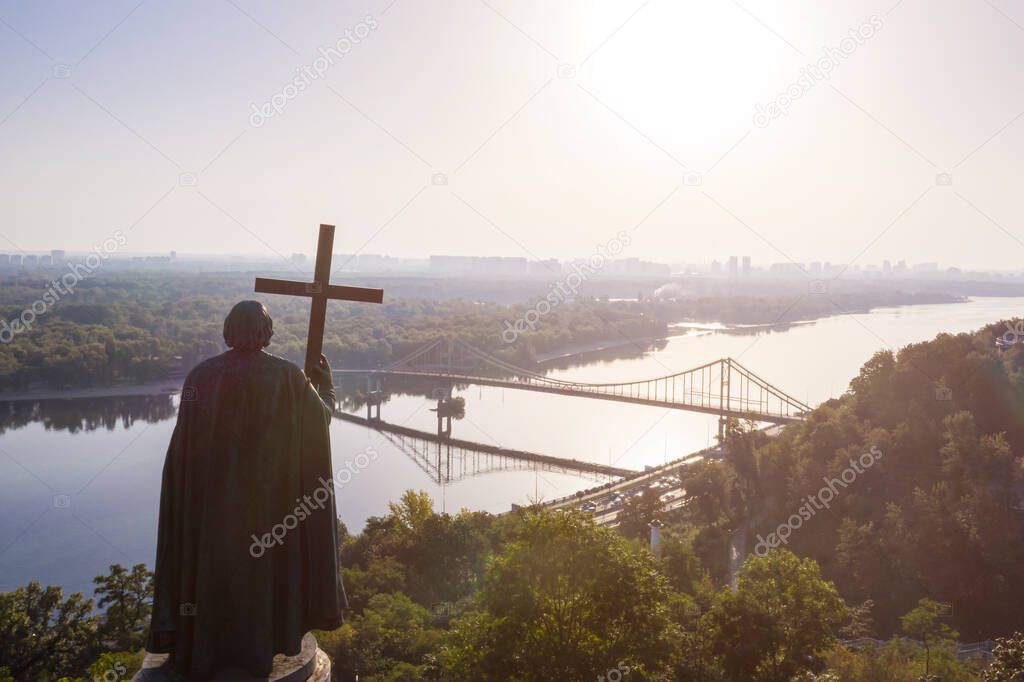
(85, 414)
(80, 479)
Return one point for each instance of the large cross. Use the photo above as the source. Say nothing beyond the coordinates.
(320, 289)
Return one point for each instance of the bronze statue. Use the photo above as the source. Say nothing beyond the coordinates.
(246, 556)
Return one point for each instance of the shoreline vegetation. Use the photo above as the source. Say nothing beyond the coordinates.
(145, 348)
(141, 336)
(171, 385)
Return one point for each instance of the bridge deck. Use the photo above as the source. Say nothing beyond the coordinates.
(574, 464)
(525, 386)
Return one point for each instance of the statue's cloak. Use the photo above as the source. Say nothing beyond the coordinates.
(246, 559)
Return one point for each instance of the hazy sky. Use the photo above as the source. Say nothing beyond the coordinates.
(557, 124)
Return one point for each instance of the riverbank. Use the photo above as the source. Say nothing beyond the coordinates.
(690, 326)
(163, 387)
(575, 349)
(171, 386)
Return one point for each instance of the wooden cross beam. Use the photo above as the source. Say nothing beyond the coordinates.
(320, 289)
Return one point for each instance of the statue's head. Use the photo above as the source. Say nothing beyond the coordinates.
(248, 326)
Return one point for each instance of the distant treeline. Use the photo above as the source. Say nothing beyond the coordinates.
(141, 327)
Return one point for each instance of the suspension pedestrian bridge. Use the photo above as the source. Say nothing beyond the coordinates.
(723, 387)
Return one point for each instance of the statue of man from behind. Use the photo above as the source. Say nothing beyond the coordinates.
(246, 554)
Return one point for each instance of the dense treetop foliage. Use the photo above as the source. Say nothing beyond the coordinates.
(939, 512)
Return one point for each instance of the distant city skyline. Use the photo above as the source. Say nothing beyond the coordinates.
(733, 266)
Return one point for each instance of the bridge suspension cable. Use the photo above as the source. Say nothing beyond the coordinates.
(722, 386)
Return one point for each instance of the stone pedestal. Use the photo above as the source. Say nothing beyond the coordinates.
(310, 665)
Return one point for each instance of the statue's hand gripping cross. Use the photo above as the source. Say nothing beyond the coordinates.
(320, 289)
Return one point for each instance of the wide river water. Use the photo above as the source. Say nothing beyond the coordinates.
(80, 479)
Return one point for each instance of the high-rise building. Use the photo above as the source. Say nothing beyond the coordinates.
(886, 268)
(372, 262)
(478, 266)
(734, 267)
(15, 259)
(634, 267)
(787, 269)
(746, 266)
(4, 259)
(57, 256)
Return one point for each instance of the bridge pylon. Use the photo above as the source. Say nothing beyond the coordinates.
(443, 394)
(374, 397)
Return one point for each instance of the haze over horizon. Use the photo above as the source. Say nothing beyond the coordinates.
(516, 129)
(722, 259)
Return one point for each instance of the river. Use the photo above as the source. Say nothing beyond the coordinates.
(80, 479)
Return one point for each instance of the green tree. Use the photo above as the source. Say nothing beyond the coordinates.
(340, 645)
(42, 634)
(860, 623)
(382, 575)
(778, 621)
(679, 561)
(566, 600)
(393, 635)
(1008, 660)
(739, 440)
(128, 598)
(115, 667)
(924, 623)
(413, 510)
(445, 558)
(708, 485)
